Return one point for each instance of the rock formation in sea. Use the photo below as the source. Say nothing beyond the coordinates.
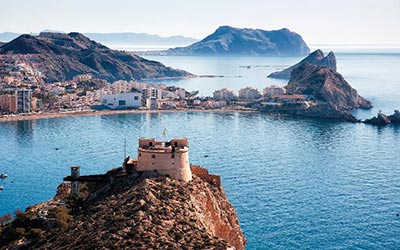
(317, 58)
(381, 119)
(63, 56)
(228, 40)
(141, 211)
(322, 93)
(326, 85)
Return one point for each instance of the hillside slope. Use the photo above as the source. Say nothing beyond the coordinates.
(64, 56)
(138, 212)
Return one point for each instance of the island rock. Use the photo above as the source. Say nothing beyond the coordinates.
(228, 40)
(316, 58)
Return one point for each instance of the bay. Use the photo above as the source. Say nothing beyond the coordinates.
(295, 183)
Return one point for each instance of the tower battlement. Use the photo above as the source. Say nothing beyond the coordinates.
(168, 158)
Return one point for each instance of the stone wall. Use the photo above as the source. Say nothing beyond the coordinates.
(203, 174)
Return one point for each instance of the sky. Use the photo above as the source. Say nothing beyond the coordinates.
(317, 21)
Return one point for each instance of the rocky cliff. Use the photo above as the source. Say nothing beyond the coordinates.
(228, 40)
(317, 58)
(325, 85)
(142, 211)
(63, 56)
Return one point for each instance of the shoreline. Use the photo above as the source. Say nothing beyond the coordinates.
(114, 112)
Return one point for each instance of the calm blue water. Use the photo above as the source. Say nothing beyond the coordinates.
(295, 183)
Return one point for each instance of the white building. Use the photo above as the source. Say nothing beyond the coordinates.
(122, 101)
(249, 93)
(273, 90)
(152, 103)
(224, 94)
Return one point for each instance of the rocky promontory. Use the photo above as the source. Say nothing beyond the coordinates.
(140, 211)
(228, 40)
(326, 85)
(317, 58)
(318, 92)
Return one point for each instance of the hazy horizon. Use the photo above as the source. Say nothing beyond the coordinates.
(318, 22)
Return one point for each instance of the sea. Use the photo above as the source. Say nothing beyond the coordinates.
(295, 183)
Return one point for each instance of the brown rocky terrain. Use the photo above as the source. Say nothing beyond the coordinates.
(317, 58)
(63, 56)
(142, 211)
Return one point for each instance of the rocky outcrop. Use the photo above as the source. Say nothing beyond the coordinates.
(311, 110)
(325, 85)
(142, 211)
(317, 58)
(63, 56)
(228, 40)
(382, 119)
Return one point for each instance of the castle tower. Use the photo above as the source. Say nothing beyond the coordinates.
(167, 158)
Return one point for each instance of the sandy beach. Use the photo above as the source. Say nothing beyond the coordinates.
(35, 116)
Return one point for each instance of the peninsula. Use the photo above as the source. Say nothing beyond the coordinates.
(58, 57)
(155, 201)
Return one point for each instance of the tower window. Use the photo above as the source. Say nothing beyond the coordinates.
(172, 156)
(153, 156)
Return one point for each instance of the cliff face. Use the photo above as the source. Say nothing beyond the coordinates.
(228, 40)
(316, 58)
(63, 56)
(148, 212)
(326, 85)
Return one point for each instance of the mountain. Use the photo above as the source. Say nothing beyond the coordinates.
(139, 39)
(317, 58)
(143, 211)
(130, 38)
(228, 40)
(1, 44)
(8, 36)
(325, 85)
(63, 56)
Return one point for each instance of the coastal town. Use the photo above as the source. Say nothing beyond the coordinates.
(24, 92)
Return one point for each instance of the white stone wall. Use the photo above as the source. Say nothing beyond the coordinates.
(175, 164)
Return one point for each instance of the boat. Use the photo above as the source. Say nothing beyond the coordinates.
(3, 176)
(1, 188)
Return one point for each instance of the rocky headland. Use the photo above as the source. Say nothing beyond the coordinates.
(228, 40)
(323, 93)
(139, 211)
(317, 58)
(63, 56)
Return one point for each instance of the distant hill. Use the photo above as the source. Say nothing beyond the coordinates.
(8, 36)
(64, 56)
(1, 44)
(316, 58)
(120, 38)
(140, 39)
(228, 40)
